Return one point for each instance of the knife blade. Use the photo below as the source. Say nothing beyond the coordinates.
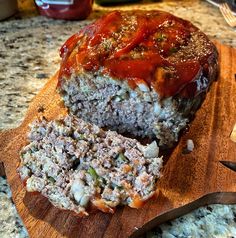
(229, 164)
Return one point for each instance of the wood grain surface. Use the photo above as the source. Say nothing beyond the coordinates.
(188, 181)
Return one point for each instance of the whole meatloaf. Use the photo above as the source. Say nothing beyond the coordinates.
(79, 167)
(139, 72)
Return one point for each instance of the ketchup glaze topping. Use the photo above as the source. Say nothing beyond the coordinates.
(140, 47)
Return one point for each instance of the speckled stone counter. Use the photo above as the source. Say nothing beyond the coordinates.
(29, 56)
(10, 223)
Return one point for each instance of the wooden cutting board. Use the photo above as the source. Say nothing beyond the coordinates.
(188, 181)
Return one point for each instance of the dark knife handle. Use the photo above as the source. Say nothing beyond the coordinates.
(229, 164)
(2, 170)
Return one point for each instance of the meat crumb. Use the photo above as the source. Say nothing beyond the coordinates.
(190, 145)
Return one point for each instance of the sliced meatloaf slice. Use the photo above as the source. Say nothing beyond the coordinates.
(77, 165)
(141, 72)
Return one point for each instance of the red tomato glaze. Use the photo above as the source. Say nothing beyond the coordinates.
(137, 47)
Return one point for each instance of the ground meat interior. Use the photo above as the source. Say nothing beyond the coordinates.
(138, 113)
(77, 165)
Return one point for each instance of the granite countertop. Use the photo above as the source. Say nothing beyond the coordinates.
(29, 56)
(10, 222)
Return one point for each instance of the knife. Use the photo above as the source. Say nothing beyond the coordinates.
(2, 170)
(229, 164)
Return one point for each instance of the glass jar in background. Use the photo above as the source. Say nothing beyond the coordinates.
(65, 9)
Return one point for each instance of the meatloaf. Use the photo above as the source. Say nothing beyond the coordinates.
(139, 72)
(79, 166)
